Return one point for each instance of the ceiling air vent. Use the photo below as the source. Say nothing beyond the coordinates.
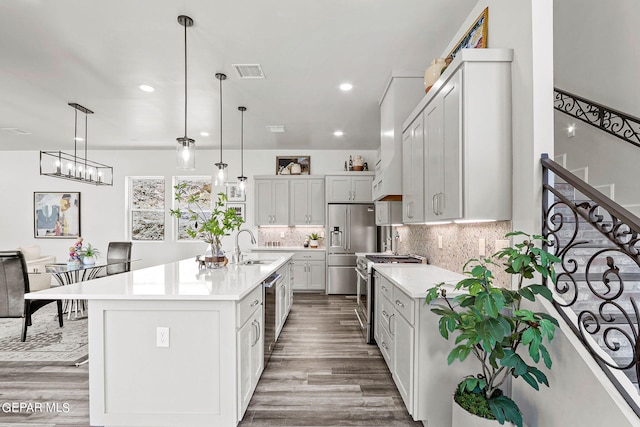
(249, 71)
(16, 131)
(276, 128)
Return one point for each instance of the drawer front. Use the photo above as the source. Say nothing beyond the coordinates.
(309, 255)
(248, 305)
(386, 311)
(384, 287)
(386, 348)
(404, 305)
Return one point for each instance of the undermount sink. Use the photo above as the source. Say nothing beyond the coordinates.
(256, 261)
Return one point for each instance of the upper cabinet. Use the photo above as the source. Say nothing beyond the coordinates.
(413, 173)
(401, 94)
(306, 197)
(465, 125)
(272, 201)
(349, 187)
(289, 200)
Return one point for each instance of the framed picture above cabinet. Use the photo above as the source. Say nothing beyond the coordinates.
(293, 165)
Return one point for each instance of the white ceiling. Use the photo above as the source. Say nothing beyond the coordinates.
(97, 53)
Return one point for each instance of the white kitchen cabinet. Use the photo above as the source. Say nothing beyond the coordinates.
(354, 187)
(388, 213)
(413, 172)
(467, 139)
(308, 269)
(250, 357)
(306, 201)
(400, 95)
(271, 201)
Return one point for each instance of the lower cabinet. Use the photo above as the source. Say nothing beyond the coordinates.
(250, 341)
(308, 270)
(406, 332)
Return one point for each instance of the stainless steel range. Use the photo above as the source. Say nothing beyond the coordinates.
(366, 287)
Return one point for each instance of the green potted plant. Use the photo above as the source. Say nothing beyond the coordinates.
(210, 225)
(491, 326)
(89, 254)
(313, 240)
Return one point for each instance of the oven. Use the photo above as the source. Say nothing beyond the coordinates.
(365, 289)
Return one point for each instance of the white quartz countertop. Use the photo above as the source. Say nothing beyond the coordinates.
(416, 279)
(285, 248)
(179, 280)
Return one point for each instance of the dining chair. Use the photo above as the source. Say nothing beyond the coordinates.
(14, 284)
(119, 251)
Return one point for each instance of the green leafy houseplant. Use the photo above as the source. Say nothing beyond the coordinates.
(491, 326)
(314, 236)
(220, 222)
(89, 251)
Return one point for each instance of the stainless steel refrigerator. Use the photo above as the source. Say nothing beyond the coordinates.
(351, 228)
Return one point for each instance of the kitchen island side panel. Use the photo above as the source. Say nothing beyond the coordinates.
(134, 382)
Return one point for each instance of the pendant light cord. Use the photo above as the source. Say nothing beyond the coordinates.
(221, 120)
(242, 143)
(185, 81)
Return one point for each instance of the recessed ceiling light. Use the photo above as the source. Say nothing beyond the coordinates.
(276, 128)
(338, 133)
(346, 86)
(146, 88)
(204, 133)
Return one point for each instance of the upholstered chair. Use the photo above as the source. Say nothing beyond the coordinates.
(119, 251)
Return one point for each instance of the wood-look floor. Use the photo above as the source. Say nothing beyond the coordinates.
(321, 374)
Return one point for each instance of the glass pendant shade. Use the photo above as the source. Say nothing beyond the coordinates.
(186, 153)
(221, 174)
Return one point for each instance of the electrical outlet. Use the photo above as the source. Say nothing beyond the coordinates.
(282, 234)
(482, 247)
(501, 244)
(162, 336)
(439, 242)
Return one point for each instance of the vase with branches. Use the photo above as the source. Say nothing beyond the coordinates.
(492, 326)
(212, 225)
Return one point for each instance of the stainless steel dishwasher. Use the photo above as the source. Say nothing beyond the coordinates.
(269, 288)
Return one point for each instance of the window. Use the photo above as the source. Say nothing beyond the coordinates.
(200, 185)
(146, 208)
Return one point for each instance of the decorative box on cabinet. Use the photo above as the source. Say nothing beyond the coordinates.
(349, 187)
(466, 119)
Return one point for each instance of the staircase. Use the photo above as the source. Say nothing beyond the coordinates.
(599, 277)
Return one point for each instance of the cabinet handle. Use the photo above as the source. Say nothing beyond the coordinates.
(384, 288)
(259, 331)
(433, 204)
(384, 314)
(390, 328)
(384, 344)
(441, 206)
(253, 325)
(254, 303)
(399, 303)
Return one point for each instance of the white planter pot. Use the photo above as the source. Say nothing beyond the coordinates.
(313, 243)
(89, 260)
(462, 418)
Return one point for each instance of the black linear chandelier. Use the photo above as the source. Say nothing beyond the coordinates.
(72, 166)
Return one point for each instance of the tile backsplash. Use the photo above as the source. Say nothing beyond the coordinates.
(288, 236)
(459, 243)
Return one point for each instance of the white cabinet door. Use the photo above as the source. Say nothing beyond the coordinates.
(361, 187)
(316, 204)
(316, 275)
(434, 158)
(300, 282)
(250, 339)
(413, 173)
(403, 347)
(263, 209)
(382, 213)
(299, 202)
(339, 189)
(257, 349)
(280, 191)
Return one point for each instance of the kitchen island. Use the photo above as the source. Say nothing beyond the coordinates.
(175, 345)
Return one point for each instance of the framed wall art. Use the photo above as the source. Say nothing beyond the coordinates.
(234, 192)
(56, 215)
(476, 36)
(239, 208)
(293, 165)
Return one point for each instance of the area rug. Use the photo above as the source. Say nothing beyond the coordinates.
(46, 341)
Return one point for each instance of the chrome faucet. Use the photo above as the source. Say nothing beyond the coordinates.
(396, 239)
(237, 254)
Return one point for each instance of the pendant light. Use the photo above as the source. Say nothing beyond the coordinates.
(186, 147)
(221, 175)
(242, 179)
(74, 167)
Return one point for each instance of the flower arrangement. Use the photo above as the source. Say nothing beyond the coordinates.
(75, 252)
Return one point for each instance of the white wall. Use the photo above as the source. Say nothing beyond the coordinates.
(594, 47)
(103, 208)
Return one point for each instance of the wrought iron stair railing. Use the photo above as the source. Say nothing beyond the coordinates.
(614, 122)
(598, 283)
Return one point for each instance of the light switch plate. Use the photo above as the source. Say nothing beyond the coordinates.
(439, 242)
(162, 336)
(482, 247)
